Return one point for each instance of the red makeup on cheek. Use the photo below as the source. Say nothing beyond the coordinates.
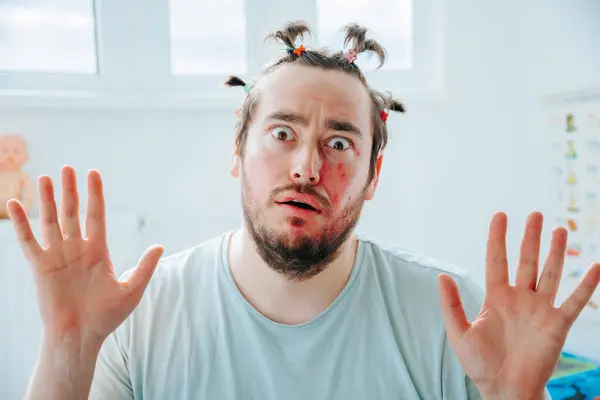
(317, 99)
(341, 171)
(337, 178)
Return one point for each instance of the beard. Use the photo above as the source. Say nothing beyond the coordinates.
(299, 258)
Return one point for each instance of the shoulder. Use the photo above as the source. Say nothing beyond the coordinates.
(180, 281)
(407, 264)
(412, 276)
(185, 264)
(407, 283)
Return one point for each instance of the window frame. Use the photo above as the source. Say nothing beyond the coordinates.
(145, 81)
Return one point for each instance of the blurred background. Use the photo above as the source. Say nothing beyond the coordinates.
(503, 114)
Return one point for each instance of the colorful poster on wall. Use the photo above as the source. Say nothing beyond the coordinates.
(575, 136)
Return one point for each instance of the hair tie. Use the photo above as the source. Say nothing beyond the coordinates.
(298, 51)
(247, 87)
(350, 55)
(384, 115)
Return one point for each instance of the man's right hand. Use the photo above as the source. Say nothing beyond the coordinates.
(79, 297)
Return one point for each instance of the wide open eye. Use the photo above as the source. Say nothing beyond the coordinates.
(282, 133)
(339, 143)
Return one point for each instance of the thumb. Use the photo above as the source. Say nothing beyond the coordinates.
(453, 312)
(140, 278)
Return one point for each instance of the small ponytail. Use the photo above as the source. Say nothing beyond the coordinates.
(387, 102)
(235, 81)
(395, 105)
(289, 34)
(357, 35)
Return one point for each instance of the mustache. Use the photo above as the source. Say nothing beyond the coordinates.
(305, 189)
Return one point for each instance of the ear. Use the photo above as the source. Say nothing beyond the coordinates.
(370, 194)
(234, 164)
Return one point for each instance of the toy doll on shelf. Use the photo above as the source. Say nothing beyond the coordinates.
(14, 183)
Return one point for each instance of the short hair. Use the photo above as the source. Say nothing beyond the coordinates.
(355, 35)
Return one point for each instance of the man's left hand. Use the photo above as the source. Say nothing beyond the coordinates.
(511, 349)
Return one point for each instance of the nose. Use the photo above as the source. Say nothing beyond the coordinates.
(306, 167)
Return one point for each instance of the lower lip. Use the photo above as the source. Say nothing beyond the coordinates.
(301, 212)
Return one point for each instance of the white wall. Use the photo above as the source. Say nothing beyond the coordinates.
(170, 164)
(446, 170)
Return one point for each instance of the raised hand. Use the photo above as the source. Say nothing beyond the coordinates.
(79, 296)
(511, 349)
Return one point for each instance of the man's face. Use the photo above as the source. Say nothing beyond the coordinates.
(305, 166)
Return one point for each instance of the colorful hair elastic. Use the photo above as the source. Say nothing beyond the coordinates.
(384, 115)
(350, 55)
(298, 51)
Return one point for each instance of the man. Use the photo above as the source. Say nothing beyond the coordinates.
(293, 305)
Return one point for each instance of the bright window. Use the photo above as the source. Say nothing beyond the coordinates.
(390, 22)
(48, 36)
(177, 53)
(208, 37)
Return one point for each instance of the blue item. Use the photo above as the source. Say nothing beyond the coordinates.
(575, 378)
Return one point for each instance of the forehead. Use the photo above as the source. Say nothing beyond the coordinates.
(12, 139)
(300, 88)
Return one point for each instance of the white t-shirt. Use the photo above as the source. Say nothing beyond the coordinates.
(194, 336)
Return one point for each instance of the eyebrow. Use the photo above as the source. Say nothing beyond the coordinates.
(330, 123)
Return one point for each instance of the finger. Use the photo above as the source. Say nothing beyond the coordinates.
(29, 245)
(553, 267)
(140, 278)
(51, 233)
(69, 210)
(527, 271)
(496, 271)
(581, 295)
(95, 223)
(453, 312)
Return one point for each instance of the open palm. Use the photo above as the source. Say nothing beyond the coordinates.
(512, 347)
(78, 294)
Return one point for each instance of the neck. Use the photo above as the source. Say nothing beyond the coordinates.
(278, 298)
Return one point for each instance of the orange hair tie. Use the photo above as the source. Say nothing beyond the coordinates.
(299, 50)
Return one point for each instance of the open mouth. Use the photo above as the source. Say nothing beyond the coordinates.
(299, 204)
